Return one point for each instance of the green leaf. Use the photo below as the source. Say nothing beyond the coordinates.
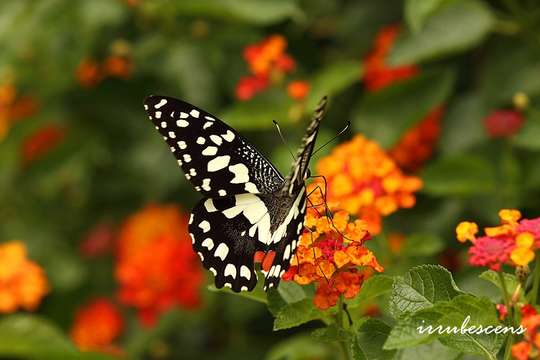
(529, 135)
(461, 312)
(422, 244)
(386, 114)
(257, 12)
(333, 79)
(433, 350)
(463, 125)
(296, 314)
(511, 280)
(300, 347)
(32, 337)
(259, 112)
(291, 292)
(459, 175)
(418, 11)
(456, 27)
(370, 339)
(373, 287)
(421, 288)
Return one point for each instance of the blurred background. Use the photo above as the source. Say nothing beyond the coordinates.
(94, 252)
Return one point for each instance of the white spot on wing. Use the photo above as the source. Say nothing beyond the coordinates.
(209, 205)
(182, 123)
(218, 163)
(187, 158)
(240, 172)
(229, 136)
(207, 124)
(216, 139)
(206, 184)
(251, 187)
(210, 151)
(160, 104)
(201, 140)
(194, 113)
(208, 243)
(245, 272)
(205, 226)
(222, 251)
(182, 144)
(230, 270)
(222, 192)
(158, 114)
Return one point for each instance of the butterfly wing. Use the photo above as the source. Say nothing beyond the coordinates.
(214, 157)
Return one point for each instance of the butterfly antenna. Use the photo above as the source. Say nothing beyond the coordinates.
(283, 138)
(334, 138)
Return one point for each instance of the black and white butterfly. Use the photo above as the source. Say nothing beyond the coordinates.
(248, 206)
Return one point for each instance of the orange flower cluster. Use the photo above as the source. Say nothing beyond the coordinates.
(156, 266)
(14, 107)
(513, 242)
(416, 146)
(97, 324)
(41, 142)
(378, 74)
(268, 63)
(22, 282)
(363, 180)
(329, 254)
(118, 64)
(529, 348)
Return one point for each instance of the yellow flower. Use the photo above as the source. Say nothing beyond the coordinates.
(466, 230)
(525, 240)
(509, 216)
(522, 256)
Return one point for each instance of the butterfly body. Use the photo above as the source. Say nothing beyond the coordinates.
(249, 207)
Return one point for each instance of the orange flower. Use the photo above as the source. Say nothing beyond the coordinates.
(22, 282)
(14, 107)
(416, 146)
(378, 74)
(363, 180)
(89, 73)
(329, 255)
(156, 267)
(521, 350)
(97, 324)
(267, 62)
(118, 66)
(298, 90)
(513, 242)
(41, 142)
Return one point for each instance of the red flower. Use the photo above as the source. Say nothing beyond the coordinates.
(416, 146)
(249, 86)
(97, 324)
(503, 123)
(378, 74)
(98, 241)
(157, 269)
(89, 73)
(118, 66)
(41, 142)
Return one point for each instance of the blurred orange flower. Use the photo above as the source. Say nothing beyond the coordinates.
(97, 324)
(22, 282)
(14, 107)
(156, 267)
(298, 89)
(512, 242)
(329, 254)
(416, 146)
(89, 73)
(363, 180)
(267, 62)
(118, 66)
(529, 347)
(41, 142)
(378, 73)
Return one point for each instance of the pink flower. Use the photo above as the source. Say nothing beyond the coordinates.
(491, 251)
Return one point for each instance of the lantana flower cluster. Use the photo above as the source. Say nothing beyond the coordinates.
(329, 254)
(42, 141)
(96, 326)
(268, 63)
(513, 242)
(529, 347)
(118, 64)
(156, 267)
(364, 181)
(416, 146)
(23, 283)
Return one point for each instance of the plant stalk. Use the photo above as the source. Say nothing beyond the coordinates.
(536, 281)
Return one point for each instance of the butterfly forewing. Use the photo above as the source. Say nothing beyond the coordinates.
(213, 156)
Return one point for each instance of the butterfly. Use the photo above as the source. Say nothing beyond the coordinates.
(249, 212)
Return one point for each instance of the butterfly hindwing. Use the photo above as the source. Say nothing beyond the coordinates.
(214, 157)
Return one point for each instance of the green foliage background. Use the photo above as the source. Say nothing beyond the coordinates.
(475, 56)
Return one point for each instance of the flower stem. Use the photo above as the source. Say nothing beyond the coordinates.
(344, 341)
(536, 281)
(510, 338)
